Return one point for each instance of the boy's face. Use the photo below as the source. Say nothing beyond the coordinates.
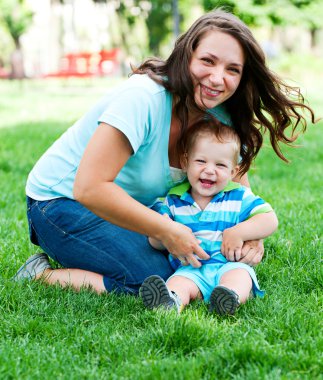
(210, 166)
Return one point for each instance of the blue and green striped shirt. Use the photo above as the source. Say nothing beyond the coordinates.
(231, 206)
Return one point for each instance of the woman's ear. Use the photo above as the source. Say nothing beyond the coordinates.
(235, 171)
(183, 162)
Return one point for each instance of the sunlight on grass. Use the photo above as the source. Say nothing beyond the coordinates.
(50, 99)
(47, 332)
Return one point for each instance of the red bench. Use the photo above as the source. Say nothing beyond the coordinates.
(105, 62)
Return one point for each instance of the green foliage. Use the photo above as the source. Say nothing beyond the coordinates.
(159, 24)
(274, 12)
(250, 12)
(158, 19)
(302, 3)
(127, 13)
(17, 18)
(225, 4)
(161, 18)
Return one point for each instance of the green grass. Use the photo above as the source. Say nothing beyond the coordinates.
(47, 332)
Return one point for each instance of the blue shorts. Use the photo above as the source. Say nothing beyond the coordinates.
(76, 238)
(208, 276)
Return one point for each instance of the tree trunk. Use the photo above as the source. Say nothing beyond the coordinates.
(17, 63)
(314, 33)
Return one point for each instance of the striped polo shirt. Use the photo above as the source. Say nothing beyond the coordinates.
(233, 205)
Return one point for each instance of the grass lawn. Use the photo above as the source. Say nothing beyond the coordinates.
(47, 332)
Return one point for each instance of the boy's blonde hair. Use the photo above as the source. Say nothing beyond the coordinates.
(212, 128)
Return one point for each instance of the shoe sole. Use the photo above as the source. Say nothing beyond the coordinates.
(154, 293)
(223, 301)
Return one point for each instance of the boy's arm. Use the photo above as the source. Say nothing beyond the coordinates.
(257, 227)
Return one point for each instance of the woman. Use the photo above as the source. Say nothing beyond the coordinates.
(91, 195)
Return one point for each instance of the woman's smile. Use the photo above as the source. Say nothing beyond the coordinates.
(209, 91)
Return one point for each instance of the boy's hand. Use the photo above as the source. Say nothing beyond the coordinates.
(232, 244)
(250, 234)
(157, 244)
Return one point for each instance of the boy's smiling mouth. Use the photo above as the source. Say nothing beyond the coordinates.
(207, 182)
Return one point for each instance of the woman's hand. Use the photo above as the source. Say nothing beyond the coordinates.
(252, 252)
(182, 244)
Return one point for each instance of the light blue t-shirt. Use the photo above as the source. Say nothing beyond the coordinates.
(141, 109)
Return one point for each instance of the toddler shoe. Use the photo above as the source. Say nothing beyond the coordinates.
(224, 301)
(35, 265)
(154, 293)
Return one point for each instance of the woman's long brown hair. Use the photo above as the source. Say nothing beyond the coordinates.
(262, 101)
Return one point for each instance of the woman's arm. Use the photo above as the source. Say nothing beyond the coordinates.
(104, 157)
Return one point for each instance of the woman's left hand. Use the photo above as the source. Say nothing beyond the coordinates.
(252, 252)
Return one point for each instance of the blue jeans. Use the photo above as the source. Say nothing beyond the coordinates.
(76, 238)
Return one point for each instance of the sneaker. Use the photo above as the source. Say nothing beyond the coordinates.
(224, 301)
(35, 265)
(154, 293)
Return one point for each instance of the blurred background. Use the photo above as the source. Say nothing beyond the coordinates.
(87, 38)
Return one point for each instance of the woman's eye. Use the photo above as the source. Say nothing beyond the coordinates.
(207, 60)
(235, 70)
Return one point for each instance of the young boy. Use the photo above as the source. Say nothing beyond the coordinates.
(222, 215)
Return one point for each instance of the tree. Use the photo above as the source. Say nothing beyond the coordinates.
(157, 16)
(159, 24)
(311, 14)
(273, 13)
(162, 20)
(166, 19)
(17, 18)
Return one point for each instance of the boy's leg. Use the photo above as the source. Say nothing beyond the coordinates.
(234, 288)
(155, 293)
(239, 281)
(185, 288)
(176, 294)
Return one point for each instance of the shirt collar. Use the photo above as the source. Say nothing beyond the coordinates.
(182, 190)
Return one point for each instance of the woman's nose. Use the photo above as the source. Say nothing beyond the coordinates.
(216, 75)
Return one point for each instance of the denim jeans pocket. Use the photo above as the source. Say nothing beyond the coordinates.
(34, 207)
(45, 205)
(30, 203)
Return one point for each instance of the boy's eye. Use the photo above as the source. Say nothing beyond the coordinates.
(200, 161)
(221, 165)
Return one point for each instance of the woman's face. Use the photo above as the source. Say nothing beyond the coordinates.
(216, 68)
